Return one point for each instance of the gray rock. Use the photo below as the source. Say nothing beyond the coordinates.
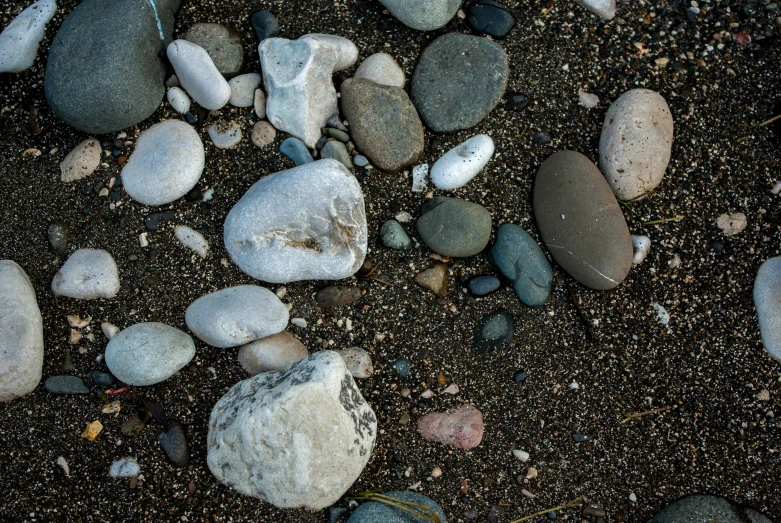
(767, 300)
(393, 236)
(259, 104)
(222, 44)
(198, 74)
(358, 362)
(297, 151)
(374, 512)
(297, 438)
(263, 134)
(337, 151)
(338, 296)
(603, 8)
(580, 221)
(104, 72)
(381, 69)
(454, 227)
(520, 259)
(306, 223)
(66, 385)
(88, 274)
(272, 354)
(21, 333)
(236, 316)
(423, 15)
(225, 135)
(173, 441)
(458, 81)
(493, 330)
(704, 509)
(243, 89)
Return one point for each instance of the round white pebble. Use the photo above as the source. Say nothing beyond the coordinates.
(225, 135)
(459, 165)
(243, 89)
(178, 100)
(87, 275)
(381, 69)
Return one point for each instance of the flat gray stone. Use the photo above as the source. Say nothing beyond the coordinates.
(454, 227)
(767, 300)
(705, 509)
(222, 44)
(88, 274)
(374, 512)
(271, 354)
(423, 15)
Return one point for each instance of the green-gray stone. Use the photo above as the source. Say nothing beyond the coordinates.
(454, 227)
(520, 259)
(66, 385)
(337, 134)
(376, 512)
(393, 236)
(493, 330)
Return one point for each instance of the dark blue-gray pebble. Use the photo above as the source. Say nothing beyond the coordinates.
(487, 16)
(66, 385)
(375, 512)
(401, 367)
(519, 258)
(541, 138)
(296, 150)
(493, 330)
(519, 376)
(580, 438)
(393, 236)
(483, 285)
(174, 443)
(101, 379)
(265, 25)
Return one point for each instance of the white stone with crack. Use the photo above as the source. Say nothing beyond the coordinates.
(88, 274)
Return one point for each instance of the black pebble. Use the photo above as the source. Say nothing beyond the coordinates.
(552, 515)
(519, 376)
(265, 25)
(101, 379)
(174, 444)
(58, 237)
(541, 138)
(483, 285)
(493, 330)
(190, 117)
(488, 17)
(336, 513)
(156, 219)
(193, 196)
(580, 438)
(517, 101)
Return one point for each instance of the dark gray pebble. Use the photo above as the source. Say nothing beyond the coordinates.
(541, 138)
(264, 24)
(580, 438)
(517, 102)
(493, 330)
(66, 385)
(156, 219)
(488, 17)
(296, 150)
(174, 443)
(393, 236)
(401, 367)
(483, 285)
(101, 379)
(519, 376)
(58, 236)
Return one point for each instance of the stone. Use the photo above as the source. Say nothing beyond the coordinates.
(358, 362)
(393, 236)
(641, 246)
(225, 135)
(298, 79)
(461, 427)
(223, 46)
(636, 143)
(306, 223)
(732, 224)
(192, 239)
(423, 16)
(517, 102)
(383, 122)
(178, 100)
(483, 285)
(488, 17)
(243, 89)
(81, 161)
(264, 24)
(101, 379)
(88, 274)
(148, 353)
(541, 138)
(587, 236)
(493, 330)
(706, 508)
(166, 164)
(153, 221)
(454, 227)
(420, 177)
(124, 468)
(198, 74)
(458, 81)
(587, 100)
(297, 151)
(173, 441)
(360, 161)
(520, 259)
(603, 8)
(459, 165)
(272, 353)
(121, 80)
(401, 368)
(20, 39)
(259, 104)
(263, 134)
(767, 301)
(236, 316)
(297, 438)
(381, 69)
(338, 296)
(66, 385)
(375, 512)
(337, 151)
(434, 279)
(58, 237)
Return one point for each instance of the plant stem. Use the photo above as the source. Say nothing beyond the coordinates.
(638, 415)
(664, 220)
(776, 117)
(574, 503)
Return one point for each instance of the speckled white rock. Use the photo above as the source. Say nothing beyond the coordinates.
(225, 135)
(603, 8)
(148, 353)
(20, 39)
(358, 362)
(767, 300)
(192, 239)
(462, 163)
(88, 274)
(178, 100)
(732, 224)
(381, 69)
(198, 75)
(263, 134)
(124, 468)
(297, 438)
(642, 246)
(259, 104)
(636, 142)
(236, 316)
(81, 161)
(167, 162)
(420, 177)
(588, 100)
(21, 333)
(243, 89)
(272, 353)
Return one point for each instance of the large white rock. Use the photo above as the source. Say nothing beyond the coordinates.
(198, 74)
(381, 69)
(81, 161)
(243, 89)
(167, 162)
(148, 353)
(636, 142)
(297, 438)
(462, 163)
(298, 79)
(88, 274)
(306, 223)
(767, 300)
(236, 315)
(272, 354)
(603, 8)
(423, 15)
(20, 39)
(21, 333)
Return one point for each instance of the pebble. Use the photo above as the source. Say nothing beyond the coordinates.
(521, 260)
(124, 468)
(358, 362)
(642, 246)
(64, 466)
(297, 151)
(704, 508)
(178, 100)
(153, 221)
(423, 16)
(88, 274)
(243, 89)
(299, 322)
(336, 150)
(517, 101)
(263, 134)
(401, 368)
(20, 39)
(632, 497)
(521, 455)
(102, 380)
(419, 177)
(375, 512)
(519, 376)
(81, 161)
(434, 279)
(198, 74)
(493, 330)
(360, 161)
(461, 427)
(338, 134)
(381, 69)
(225, 135)
(488, 17)
(483, 285)
(767, 290)
(393, 236)
(580, 438)
(259, 104)
(192, 239)
(454, 227)
(223, 46)
(264, 24)
(58, 236)
(459, 165)
(92, 431)
(338, 296)
(66, 385)
(272, 353)
(661, 314)
(587, 100)
(732, 224)
(173, 441)
(541, 138)
(603, 8)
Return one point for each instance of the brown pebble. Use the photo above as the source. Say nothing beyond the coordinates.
(263, 134)
(337, 296)
(465, 486)
(121, 159)
(434, 279)
(191, 487)
(594, 512)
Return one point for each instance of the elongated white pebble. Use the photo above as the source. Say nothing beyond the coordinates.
(462, 163)
(642, 245)
(192, 239)
(178, 100)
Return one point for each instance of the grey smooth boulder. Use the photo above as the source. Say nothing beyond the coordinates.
(306, 223)
(21, 333)
(297, 438)
(767, 300)
(580, 221)
(454, 227)
(706, 509)
(375, 512)
(88, 274)
(221, 43)
(423, 15)
(520, 259)
(104, 72)
(272, 354)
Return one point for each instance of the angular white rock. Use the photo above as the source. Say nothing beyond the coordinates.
(198, 74)
(192, 239)
(167, 162)
(419, 177)
(124, 468)
(381, 69)
(603, 8)
(358, 362)
(297, 438)
(732, 224)
(587, 100)
(224, 134)
(272, 354)
(20, 39)
(462, 163)
(178, 100)
(109, 329)
(259, 104)
(243, 89)
(81, 161)
(661, 314)
(87, 275)
(642, 245)
(767, 300)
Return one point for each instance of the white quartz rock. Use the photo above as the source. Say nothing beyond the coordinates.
(459, 165)
(243, 89)
(192, 239)
(124, 468)
(87, 275)
(20, 39)
(81, 161)
(225, 135)
(381, 69)
(198, 74)
(178, 100)
(603, 8)
(272, 353)
(642, 246)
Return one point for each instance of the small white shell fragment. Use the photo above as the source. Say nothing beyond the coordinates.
(662, 314)
(428, 393)
(299, 322)
(587, 100)
(192, 239)
(451, 389)
(178, 100)
(574, 385)
(142, 241)
(642, 245)
(124, 468)
(419, 177)
(521, 455)
(109, 330)
(462, 163)
(64, 466)
(208, 195)
(732, 224)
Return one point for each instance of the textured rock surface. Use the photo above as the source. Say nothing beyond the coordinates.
(706, 509)
(461, 427)
(243, 88)
(88, 274)
(358, 362)
(460, 164)
(374, 512)
(263, 134)
(603, 8)
(381, 69)
(423, 15)
(222, 44)
(81, 161)
(520, 259)
(453, 227)
(225, 135)
(767, 300)
(198, 74)
(20, 39)
(272, 354)
(393, 236)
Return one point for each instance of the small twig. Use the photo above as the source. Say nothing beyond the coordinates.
(742, 139)
(525, 128)
(664, 220)
(776, 117)
(626, 204)
(577, 502)
(581, 314)
(378, 280)
(638, 415)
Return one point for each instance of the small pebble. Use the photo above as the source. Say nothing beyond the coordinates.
(493, 330)
(483, 285)
(588, 100)
(419, 177)
(174, 444)
(296, 150)
(265, 25)
(259, 104)
(434, 279)
(732, 224)
(243, 88)
(541, 138)
(193, 240)
(225, 135)
(360, 161)
(519, 376)
(642, 246)
(64, 466)
(263, 134)
(66, 385)
(401, 367)
(517, 101)
(124, 468)
(393, 236)
(580, 438)
(661, 313)
(632, 497)
(521, 455)
(178, 100)
(299, 322)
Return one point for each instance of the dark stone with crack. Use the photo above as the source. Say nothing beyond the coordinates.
(522, 261)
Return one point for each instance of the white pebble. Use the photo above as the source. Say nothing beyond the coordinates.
(574, 385)
(299, 322)
(462, 163)
(198, 74)
(662, 314)
(20, 39)
(87, 275)
(776, 188)
(403, 217)
(109, 330)
(124, 468)
(632, 497)
(259, 104)
(192, 239)
(225, 135)
(208, 195)
(642, 245)
(732, 224)
(142, 241)
(243, 89)
(419, 177)
(81, 161)
(64, 465)
(178, 100)
(521, 455)
(588, 100)
(381, 69)
(428, 393)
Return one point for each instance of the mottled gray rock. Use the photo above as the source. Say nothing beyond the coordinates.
(393, 236)
(81, 161)
(198, 74)
(603, 8)
(767, 300)
(358, 362)
(297, 438)
(424, 15)
(222, 44)
(454, 227)
(272, 354)
(336, 150)
(243, 89)
(381, 69)
(706, 509)
(225, 135)
(88, 274)
(296, 150)
(66, 385)
(374, 512)
(520, 259)
(20, 39)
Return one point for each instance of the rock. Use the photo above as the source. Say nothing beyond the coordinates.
(461, 427)
(272, 354)
(458, 81)
(383, 122)
(192, 239)
(541, 138)
(375, 512)
(521, 260)
(434, 279)
(588, 237)
(483, 285)
(88, 274)
(706, 508)
(20, 39)
(401, 367)
(337, 151)
(178, 100)
(153, 221)
(102, 380)
(493, 331)
(166, 164)
(259, 104)
(641, 245)
(148, 353)
(198, 74)
(393, 236)
(124, 468)
(263, 134)
(225, 135)
(358, 362)
(603, 8)
(454, 227)
(636, 143)
(297, 151)
(423, 16)
(81, 161)
(66, 385)
(419, 177)
(264, 24)
(587, 100)
(767, 300)
(121, 80)
(57, 235)
(243, 89)
(462, 163)
(488, 17)
(337, 296)
(109, 330)
(517, 102)
(173, 441)
(223, 46)
(382, 69)
(360, 161)
(306, 223)
(236, 316)
(732, 224)
(297, 75)
(297, 438)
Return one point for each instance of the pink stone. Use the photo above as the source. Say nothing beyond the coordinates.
(462, 427)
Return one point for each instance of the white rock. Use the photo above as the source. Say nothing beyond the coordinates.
(243, 89)
(236, 315)
(81, 161)
(661, 313)
(20, 39)
(124, 468)
(603, 8)
(423, 15)
(642, 245)
(587, 100)
(259, 104)
(297, 438)
(64, 466)
(192, 239)
(198, 74)
(21, 333)
(148, 353)
(272, 353)
(732, 224)
(358, 362)
(167, 162)
(420, 177)
(462, 163)
(767, 300)
(87, 275)
(178, 100)
(382, 69)
(225, 135)
(109, 330)
(299, 322)
(521, 455)
(636, 142)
